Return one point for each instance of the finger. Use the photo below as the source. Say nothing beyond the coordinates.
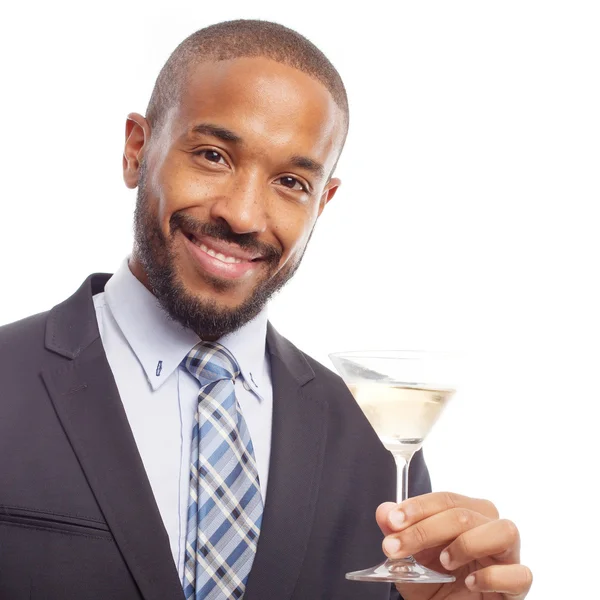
(512, 580)
(441, 528)
(422, 507)
(496, 539)
(381, 515)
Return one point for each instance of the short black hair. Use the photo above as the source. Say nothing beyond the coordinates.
(237, 39)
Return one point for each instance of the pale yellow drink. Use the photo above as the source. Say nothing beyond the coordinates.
(401, 415)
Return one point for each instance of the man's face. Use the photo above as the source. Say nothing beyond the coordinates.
(230, 188)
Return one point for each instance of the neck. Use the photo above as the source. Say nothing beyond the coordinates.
(138, 271)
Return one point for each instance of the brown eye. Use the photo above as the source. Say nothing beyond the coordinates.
(211, 155)
(291, 183)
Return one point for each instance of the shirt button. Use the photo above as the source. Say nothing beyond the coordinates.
(246, 386)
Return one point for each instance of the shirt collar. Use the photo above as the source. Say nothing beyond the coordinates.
(161, 343)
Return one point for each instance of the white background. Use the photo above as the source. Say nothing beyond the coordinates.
(467, 218)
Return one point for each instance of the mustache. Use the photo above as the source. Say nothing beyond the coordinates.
(221, 230)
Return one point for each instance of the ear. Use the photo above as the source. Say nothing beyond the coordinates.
(330, 189)
(137, 138)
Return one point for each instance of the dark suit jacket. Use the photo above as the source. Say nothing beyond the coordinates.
(78, 519)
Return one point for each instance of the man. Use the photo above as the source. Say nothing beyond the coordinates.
(158, 438)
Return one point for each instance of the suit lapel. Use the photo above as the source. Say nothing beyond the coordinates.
(87, 402)
(297, 453)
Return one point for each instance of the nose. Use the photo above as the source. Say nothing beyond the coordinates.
(242, 205)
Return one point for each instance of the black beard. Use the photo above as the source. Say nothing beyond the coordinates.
(158, 259)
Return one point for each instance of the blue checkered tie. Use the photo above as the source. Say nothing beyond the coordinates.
(225, 504)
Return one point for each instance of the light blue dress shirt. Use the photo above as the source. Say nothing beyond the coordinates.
(145, 348)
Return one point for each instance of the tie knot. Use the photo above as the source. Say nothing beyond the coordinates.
(209, 362)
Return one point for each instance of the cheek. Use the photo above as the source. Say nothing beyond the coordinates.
(293, 233)
(176, 188)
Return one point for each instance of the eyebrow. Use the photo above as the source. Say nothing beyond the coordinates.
(227, 135)
(309, 164)
(215, 131)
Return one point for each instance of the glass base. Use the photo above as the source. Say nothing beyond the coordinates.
(401, 570)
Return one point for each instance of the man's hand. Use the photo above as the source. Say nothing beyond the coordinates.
(464, 536)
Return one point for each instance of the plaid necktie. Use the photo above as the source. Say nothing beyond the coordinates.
(225, 505)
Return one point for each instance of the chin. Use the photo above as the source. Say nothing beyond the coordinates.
(216, 293)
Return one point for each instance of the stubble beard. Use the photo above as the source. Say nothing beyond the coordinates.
(158, 258)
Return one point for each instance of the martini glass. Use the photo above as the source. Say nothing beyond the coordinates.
(402, 394)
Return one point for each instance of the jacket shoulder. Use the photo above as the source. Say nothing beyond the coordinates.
(23, 333)
(22, 355)
(325, 374)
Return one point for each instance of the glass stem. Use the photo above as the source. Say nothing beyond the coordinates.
(402, 463)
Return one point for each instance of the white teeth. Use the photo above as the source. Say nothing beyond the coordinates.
(218, 255)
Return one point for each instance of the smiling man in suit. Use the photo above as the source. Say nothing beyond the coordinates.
(158, 438)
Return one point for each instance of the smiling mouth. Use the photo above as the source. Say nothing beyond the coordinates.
(234, 256)
(223, 260)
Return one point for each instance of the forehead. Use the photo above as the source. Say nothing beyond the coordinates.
(268, 104)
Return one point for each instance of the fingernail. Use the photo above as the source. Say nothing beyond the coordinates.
(445, 559)
(396, 518)
(470, 581)
(391, 545)
(408, 509)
